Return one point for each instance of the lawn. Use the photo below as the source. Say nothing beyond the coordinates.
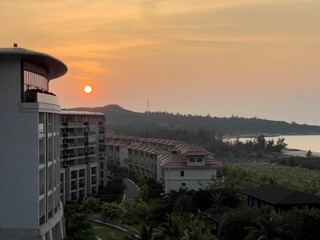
(104, 232)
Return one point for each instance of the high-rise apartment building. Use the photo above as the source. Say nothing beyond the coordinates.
(30, 206)
(84, 166)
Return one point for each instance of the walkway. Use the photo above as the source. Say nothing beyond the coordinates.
(131, 190)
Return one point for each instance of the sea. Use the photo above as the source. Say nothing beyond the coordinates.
(298, 145)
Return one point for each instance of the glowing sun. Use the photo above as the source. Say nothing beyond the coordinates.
(87, 89)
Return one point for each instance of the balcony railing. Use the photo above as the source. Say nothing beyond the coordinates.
(41, 159)
(42, 219)
(41, 189)
(39, 96)
(50, 214)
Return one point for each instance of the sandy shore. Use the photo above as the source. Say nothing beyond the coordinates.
(297, 152)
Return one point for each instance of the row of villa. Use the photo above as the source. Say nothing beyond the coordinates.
(175, 164)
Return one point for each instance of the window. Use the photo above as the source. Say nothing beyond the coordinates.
(182, 173)
(101, 165)
(183, 184)
(191, 159)
(34, 77)
(199, 159)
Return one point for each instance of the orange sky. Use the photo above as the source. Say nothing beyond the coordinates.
(247, 58)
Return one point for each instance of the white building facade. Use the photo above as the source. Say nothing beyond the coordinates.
(191, 167)
(82, 146)
(30, 206)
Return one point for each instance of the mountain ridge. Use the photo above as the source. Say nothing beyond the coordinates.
(117, 116)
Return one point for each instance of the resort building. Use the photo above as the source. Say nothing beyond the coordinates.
(190, 167)
(82, 154)
(280, 199)
(175, 164)
(30, 205)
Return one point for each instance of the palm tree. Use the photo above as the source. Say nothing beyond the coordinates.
(268, 228)
(79, 228)
(233, 224)
(185, 204)
(191, 227)
(173, 229)
(217, 199)
(146, 232)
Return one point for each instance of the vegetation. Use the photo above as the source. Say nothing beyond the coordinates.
(152, 124)
(312, 163)
(108, 233)
(114, 191)
(111, 211)
(244, 175)
(185, 227)
(259, 145)
(90, 204)
(252, 224)
(193, 214)
(77, 225)
(189, 214)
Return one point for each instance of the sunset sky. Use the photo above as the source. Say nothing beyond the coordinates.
(219, 57)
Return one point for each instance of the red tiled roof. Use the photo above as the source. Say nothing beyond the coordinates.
(179, 161)
(191, 150)
(144, 148)
(117, 144)
(167, 160)
(165, 142)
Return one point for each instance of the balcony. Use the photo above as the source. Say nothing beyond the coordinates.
(74, 175)
(81, 184)
(81, 173)
(40, 96)
(41, 189)
(42, 219)
(73, 186)
(50, 214)
(41, 159)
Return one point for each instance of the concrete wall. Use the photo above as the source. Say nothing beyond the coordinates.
(123, 156)
(18, 153)
(19, 162)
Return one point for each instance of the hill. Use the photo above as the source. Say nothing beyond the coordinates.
(124, 121)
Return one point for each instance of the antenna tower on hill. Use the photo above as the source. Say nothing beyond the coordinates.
(148, 108)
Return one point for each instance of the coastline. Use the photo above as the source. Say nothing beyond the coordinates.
(298, 152)
(294, 152)
(297, 145)
(255, 135)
